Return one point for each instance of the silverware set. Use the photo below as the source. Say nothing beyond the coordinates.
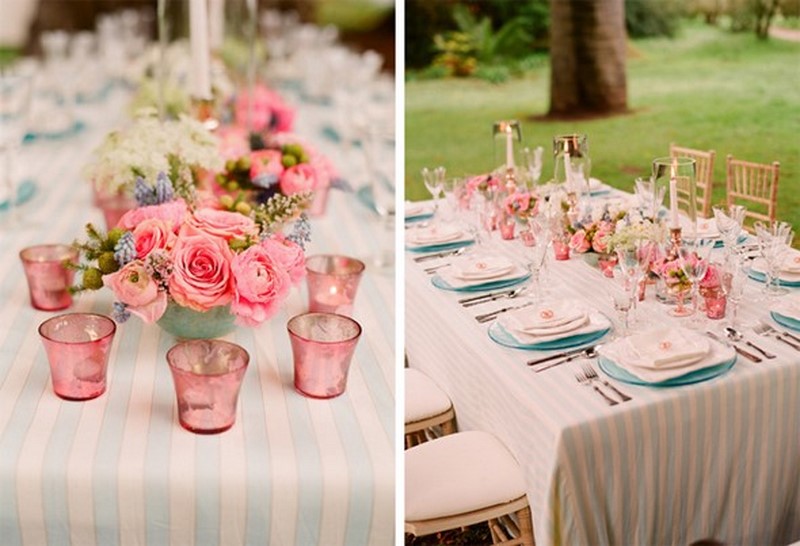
(486, 317)
(764, 329)
(441, 254)
(743, 352)
(588, 376)
(485, 298)
(736, 335)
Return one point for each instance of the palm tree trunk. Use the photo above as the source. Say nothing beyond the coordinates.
(587, 51)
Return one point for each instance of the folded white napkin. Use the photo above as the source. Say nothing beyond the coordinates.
(595, 184)
(448, 274)
(619, 352)
(486, 267)
(415, 209)
(666, 348)
(788, 306)
(706, 228)
(790, 263)
(760, 266)
(550, 317)
(593, 321)
(442, 233)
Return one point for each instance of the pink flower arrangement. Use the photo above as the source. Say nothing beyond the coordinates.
(674, 276)
(269, 111)
(591, 237)
(198, 259)
(482, 183)
(521, 205)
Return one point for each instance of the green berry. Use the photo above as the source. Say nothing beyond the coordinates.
(93, 279)
(230, 165)
(304, 158)
(226, 201)
(107, 263)
(293, 149)
(288, 161)
(243, 164)
(232, 185)
(221, 179)
(237, 245)
(243, 207)
(115, 235)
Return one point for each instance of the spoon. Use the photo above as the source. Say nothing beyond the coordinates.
(735, 335)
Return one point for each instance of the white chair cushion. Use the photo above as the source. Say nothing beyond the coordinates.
(459, 473)
(424, 398)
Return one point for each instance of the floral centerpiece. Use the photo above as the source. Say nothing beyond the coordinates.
(521, 205)
(181, 149)
(263, 111)
(256, 169)
(484, 184)
(186, 263)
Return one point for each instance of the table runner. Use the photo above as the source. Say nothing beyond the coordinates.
(716, 459)
(120, 470)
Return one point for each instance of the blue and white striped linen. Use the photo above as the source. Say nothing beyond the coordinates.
(120, 470)
(716, 459)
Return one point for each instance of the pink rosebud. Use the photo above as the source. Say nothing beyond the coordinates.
(135, 288)
(220, 223)
(172, 212)
(600, 241)
(153, 234)
(266, 162)
(300, 178)
(261, 285)
(289, 255)
(578, 242)
(201, 275)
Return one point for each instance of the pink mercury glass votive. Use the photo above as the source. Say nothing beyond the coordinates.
(332, 283)
(207, 374)
(48, 278)
(560, 249)
(322, 345)
(77, 346)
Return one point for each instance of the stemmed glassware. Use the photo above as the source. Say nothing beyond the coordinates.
(634, 262)
(533, 164)
(694, 258)
(729, 221)
(434, 182)
(773, 240)
(734, 278)
(650, 196)
(15, 100)
(621, 298)
(541, 237)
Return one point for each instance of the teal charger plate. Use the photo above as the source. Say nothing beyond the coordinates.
(439, 282)
(500, 335)
(697, 376)
(786, 322)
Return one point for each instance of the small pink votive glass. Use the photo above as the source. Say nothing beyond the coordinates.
(77, 347)
(323, 346)
(560, 249)
(48, 277)
(715, 306)
(332, 283)
(207, 374)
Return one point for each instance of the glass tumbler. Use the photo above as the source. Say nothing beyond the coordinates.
(332, 283)
(48, 277)
(77, 347)
(322, 346)
(207, 374)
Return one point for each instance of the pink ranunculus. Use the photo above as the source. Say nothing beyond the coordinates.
(201, 272)
(220, 223)
(172, 212)
(261, 283)
(233, 142)
(324, 167)
(599, 241)
(297, 179)
(579, 243)
(135, 288)
(289, 255)
(268, 112)
(152, 234)
(266, 162)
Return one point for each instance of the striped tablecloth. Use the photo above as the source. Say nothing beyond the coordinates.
(716, 459)
(120, 470)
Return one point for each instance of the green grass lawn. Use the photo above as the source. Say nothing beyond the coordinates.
(706, 89)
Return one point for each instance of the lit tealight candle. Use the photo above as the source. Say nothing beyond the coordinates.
(332, 283)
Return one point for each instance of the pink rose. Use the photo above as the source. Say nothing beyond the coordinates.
(261, 285)
(220, 223)
(269, 111)
(152, 234)
(266, 162)
(233, 142)
(711, 279)
(201, 275)
(172, 212)
(136, 289)
(289, 255)
(599, 241)
(300, 178)
(578, 242)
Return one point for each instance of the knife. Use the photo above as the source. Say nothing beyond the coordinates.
(435, 255)
(481, 296)
(739, 350)
(557, 355)
(489, 316)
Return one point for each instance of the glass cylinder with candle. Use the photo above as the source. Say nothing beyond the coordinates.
(507, 135)
(332, 283)
(572, 165)
(678, 175)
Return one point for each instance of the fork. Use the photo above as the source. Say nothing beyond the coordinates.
(764, 329)
(583, 379)
(591, 373)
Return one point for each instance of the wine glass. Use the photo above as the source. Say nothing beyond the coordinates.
(773, 240)
(533, 163)
(650, 196)
(15, 100)
(433, 183)
(694, 256)
(537, 254)
(634, 262)
(620, 293)
(735, 274)
(729, 221)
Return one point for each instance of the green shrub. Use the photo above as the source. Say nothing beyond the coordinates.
(649, 18)
(493, 73)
